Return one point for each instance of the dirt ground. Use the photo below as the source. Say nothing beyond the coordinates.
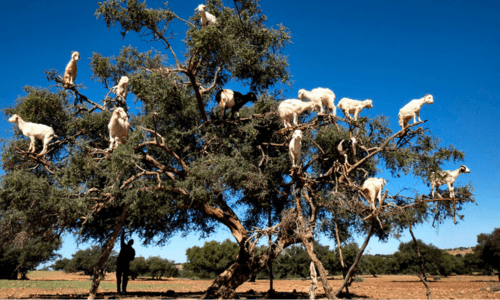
(59, 285)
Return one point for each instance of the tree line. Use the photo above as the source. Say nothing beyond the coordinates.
(85, 260)
(295, 263)
(213, 257)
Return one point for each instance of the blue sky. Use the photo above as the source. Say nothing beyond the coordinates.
(389, 51)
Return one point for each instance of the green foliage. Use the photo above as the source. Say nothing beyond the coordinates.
(60, 264)
(436, 261)
(84, 261)
(16, 260)
(139, 267)
(211, 259)
(159, 267)
(374, 264)
(293, 265)
(488, 250)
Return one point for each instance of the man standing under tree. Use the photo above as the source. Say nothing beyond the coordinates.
(127, 254)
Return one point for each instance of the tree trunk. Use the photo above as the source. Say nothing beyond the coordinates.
(351, 271)
(322, 272)
(314, 282)
(224, 286)
(422, 276)
(341, 257)
(105, 255)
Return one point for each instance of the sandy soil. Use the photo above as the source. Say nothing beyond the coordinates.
(382, 287)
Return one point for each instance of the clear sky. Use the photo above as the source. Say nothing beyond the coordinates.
(389, 51)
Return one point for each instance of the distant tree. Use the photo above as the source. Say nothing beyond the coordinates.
(349, 252)
(296, 261)
(488, 250)
(437, 261)
(328, 257)
(60, 264)
(16, 261)
(472, 263)
(138, 267)
(85, 260)
(159, 267)
(211, 259)
(374, 264)
(292, 264)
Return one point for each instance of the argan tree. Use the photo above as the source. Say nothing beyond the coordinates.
(186, 168)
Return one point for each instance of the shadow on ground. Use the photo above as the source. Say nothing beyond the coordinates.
(195, 295)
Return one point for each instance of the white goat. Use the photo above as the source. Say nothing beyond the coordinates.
(447, 177)
(225, 98)
(320, 97)
(70, 72)
(412, 110)
(350, 106)
(118, 128)
(295, 147)
(121, 89)
(34, 131)
(293, 108)
(372, 189)
(206, 17)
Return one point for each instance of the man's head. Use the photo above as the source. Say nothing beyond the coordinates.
(131, 242)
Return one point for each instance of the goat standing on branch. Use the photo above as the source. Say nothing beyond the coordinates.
(118, 128)
(372, 189)
(234, 100)
(350, 106)
(320, 97)
(412, 110)
(70, 72)
(447, 177)
(206, 17)
(121, 89)
(34, 131)
(295, 147)
(293, 108)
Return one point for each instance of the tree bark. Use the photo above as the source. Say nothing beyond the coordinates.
(105, 255)
(314, 282)
(322, 272)
(351, 271)
(309, 245)
(422, 276)
(224, 286)
(341, 257)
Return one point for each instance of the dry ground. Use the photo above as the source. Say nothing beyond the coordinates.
(54, 285)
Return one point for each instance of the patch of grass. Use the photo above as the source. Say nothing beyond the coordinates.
(52, 284)
(359, 279)
(39, 274)
(84, 284)
(163, 286)
(436, 278)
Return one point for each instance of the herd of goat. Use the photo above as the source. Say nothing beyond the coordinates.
(288, 111)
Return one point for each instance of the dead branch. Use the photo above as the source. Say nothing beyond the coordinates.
(204, 90)
(164, 147)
